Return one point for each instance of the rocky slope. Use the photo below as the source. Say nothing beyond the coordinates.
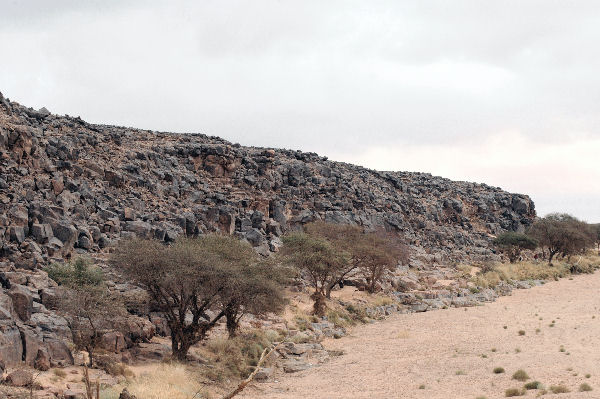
(67, 186)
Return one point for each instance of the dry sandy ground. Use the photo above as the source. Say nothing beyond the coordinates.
(453, 352)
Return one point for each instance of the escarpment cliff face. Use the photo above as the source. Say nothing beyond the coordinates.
(67, 185)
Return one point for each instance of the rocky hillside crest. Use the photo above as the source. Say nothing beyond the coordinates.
(67, 185)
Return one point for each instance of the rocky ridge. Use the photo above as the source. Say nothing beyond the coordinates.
(67, 185)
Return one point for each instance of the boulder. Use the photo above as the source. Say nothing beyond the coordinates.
(11, 347)
(139, 228)
(60, 354)
(22, 301)
(66, 233)
(42, 360)
(17, 234)
(20, 378)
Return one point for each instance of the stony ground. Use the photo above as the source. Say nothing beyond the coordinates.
(451, 353)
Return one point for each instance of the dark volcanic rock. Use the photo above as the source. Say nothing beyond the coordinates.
(69, 185)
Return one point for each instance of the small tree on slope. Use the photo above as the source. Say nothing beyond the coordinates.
(511, 244)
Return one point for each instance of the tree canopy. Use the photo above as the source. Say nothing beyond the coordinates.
(562, 234)
(512, 243)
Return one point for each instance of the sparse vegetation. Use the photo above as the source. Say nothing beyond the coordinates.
(498, 370)
(585, 387)
(512, 243)
(86, 303)
(533, 385)
(237, 357)
(511, 392)
(563, 234)
(559, 389)
(520, 375)
(521, 332)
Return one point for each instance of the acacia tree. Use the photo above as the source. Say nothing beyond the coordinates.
(342, 237)
(371, 254)
(321, 261)
(254, 286)
(377, 253)
(193, 282)
(561, 234)
(512, 244)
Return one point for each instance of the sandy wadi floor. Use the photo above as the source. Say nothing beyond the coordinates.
(452, 353)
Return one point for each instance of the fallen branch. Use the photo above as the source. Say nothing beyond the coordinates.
(266, 353)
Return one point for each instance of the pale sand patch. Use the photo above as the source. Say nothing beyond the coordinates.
(391, 359)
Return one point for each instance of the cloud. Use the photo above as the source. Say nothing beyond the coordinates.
(336, 77)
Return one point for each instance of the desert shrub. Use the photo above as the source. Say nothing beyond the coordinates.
(498, 370)
(79, 272)
(59, 373)
(520, 375)
(340, 318)
(533, 385)
(357, 313)
(521, 332)
(237, 357)
(382, 300)
(112, 367)
(585, 387)
(488, 279)
(559, 389)
(86, 303)
(514, 392)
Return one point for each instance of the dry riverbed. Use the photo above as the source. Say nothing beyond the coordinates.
(552, 332)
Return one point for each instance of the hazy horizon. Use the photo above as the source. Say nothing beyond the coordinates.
(504, 94)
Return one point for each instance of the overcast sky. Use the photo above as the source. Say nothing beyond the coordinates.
(501, 92)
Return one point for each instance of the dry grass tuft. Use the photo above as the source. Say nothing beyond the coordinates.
(559, 389)
(585, 387)
(493, 274)
(520, 375)
(514, 392)
(165, 380)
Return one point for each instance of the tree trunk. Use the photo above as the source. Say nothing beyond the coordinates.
(319, 306)
(179, 346)
(550, 256)
(232, 326)
(90, 352)
(180, 352)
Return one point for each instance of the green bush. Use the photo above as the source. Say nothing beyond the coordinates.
(79, 272)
